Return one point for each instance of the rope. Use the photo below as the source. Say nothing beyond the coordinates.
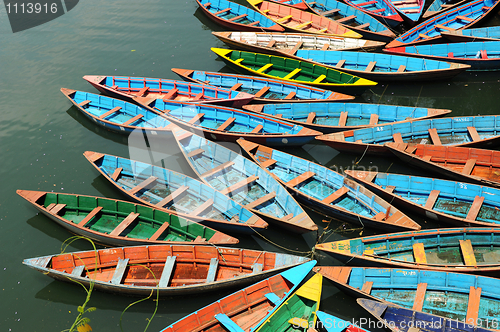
(366, 149)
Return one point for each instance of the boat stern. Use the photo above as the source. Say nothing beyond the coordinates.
(364, 176)
(68, 92)
(184, 73)
(31, 196)
(93, 156)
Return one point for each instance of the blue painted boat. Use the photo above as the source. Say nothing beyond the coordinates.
(410, 10)
(353, 18)
(299, 4)
(322, 188)
(129, 88)
(446, 294)
(473, 35)
(479, 55)
(473, 250)
(332, 323)
(399, 319)
(334, 117)
(264, 89)
(461, 17)
(115, 114)
(439, 6)
(246, 309)
(167, 190)
(452, 202)
(383, 67)
(382, 10)
(237, 17)
(469, 131)
(243, 181)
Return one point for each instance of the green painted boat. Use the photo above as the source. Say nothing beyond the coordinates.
(293, 70)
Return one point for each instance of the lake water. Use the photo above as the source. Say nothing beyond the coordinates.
(43, 138)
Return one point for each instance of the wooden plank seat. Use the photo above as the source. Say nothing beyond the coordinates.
(159, 231)
(167, 96)
(434, 136)
(303, 25)
(294, 49)
(331, 12)
(236, 86)
(292, 73)
(421, 35)
(116, 173)
(212, 270)
(473, 134)
(257, 129)
(291, 95)
(273, 298)
(184, 135)
(390, 189)
(373, 119)
(335, 195)
(195, 153)
(469, 166)
(311, 117)
(473, 305)
(381, 10)
(342, 119)
(178, 192)
(77, 271)
(370, 66)
(119, 271)
(467, 253)
(419, 253)
(89, 216)
(340, 64)
(253, 23)
(442, 27)
(208, 4)
(57, 208)
(262, 92)
(474, 208)
(271, 43)
(257, 268)
(252, 220)
(368, 3)
(197, 118)
(240, 184)
(124, 224)
(300, 179)
(143, 91)
(217, 169)
(167, 272)
(367, 287)
(84, 103)
(325, 47)
(132, 120)
(485, 8)
(363, 26)
(115, 87)
(228, 323)
(226, 124)
(225, 10)
(198, 96)
(431, 200)
(401, 69)
(418, 303)
(320, 78)
(108, 113)
(284, 19)
(200, 209)
(142, 185)
(267, 163)
(464, 18)
(427, 158)
(264, 68)
(239, 60)
(346, 19)
(237, 17)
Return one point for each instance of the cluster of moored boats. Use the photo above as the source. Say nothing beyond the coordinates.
(170, 236)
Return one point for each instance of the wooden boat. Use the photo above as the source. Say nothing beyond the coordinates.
(301, 21)
(244, 181)
(264, 89)
(119, 223)
(353, 18)
(287, 44)
(170, 191)
(479, 55)
(128, 88)
(299, 4)
(299, 309)
(469, 131)
(450, 295)
(167, 269)
(383, 67)
(439, 6)
(324, 189)
(409, 10)
(332, 323)
(382, 10)
(292, 70)
(457, 203)
(472, 35)
(398, 319)
(237, 17)
(246, 309)
(469, 250)
(461, 17)
(333, 117)
(115, 114)
(462, 164)
(229, 124)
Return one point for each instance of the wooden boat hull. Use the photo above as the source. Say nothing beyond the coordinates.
(256, 297)
(472, 35)
(382, 10)
(456, 203)
(327, 190)
(418, 250)
(128, 88)
(410, 11)
(170, 270)
(267, 90)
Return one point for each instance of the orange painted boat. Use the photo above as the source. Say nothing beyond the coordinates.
(458, 163)
(168, 269)
(301, 21)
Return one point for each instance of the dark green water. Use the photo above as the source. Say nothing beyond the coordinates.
(43, 138)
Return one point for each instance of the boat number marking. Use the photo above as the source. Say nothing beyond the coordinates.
(462, 185)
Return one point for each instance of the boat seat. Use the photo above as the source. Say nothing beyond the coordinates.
(370, 66)
(450, 55)
(167, 96)
(57, 208)
(373, 119)
(237, 17)
(212, 270)
(257, 268)
(222, 11)
(325, 47)
(485, 8)
(474, 208)
(335, 195)
(401, 69)
(397, 138)
(431, 200)
(134, 119)
(203, 207)
(279, 115)
(267, 163)
(300, 179)
(473, 305)
(121, 266)
(89, 216)
(197, 118)
(257, 129)
(418, 303)
(291, 95)
(303, 25)
(285, 18)
(184, 135)
(442, 27)
(253, 23)
(320, 78)
(273, 298)
(115, 87)
(217, 169)
(367, 287)
(342, 119)
(330, 12)
(311, 117)
(367, 3)
(381, 10)
(262, 92)
(434, 136)
(236, 86)
(124, 224)
(252, 220)
(421, 35)
(226, 124)
(346, 19)
(264, 68)
(390, 189)
(77, 271)
(196, 153)
(292, 74)
(419, 253)
(108, 113)
(469, 166)
(241, 184)
(198, 96)
(295, 48)
(427, 158)
(159, 231)
(322, 30)
(271, 43)
(467, 253)
(473, 134)
(116, 173)
(208, 4)
(239, 60)
(465, 18)
(340, 64)
(142, 185)
(228, 323)
(166, 275)
(84, 103)
(411, 149)
(363, 26)
(143, 91)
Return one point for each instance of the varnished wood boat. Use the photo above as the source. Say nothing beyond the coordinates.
(462, 164)
(243, 181)
(119, 223)
(451, 295)
(461, 17)
(382, 10)
(167, 269)
(353, 18)
(472, 35)
(246, 309)
(334, 117)
(264, 89)
(456, 203)
(439, 6)
(397, 319)
(466, 131)
(292, 70)
(173, 192)
(301, 21)
(324, 189)
(237, 17)
(468, 250)
(128, 88)
(229, 124)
